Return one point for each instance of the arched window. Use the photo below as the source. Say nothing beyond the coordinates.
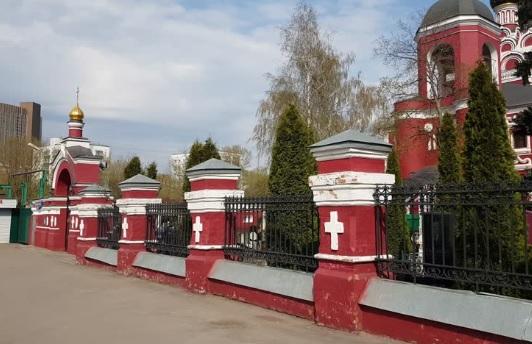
(506, 47)
(527, 42)
(511, 64)
(486, 57)
(432, 144)
(441, 71)
(490, 59)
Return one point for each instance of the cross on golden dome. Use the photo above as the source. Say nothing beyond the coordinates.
(76, 114)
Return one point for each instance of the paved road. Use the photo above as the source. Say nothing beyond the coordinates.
(46, 298)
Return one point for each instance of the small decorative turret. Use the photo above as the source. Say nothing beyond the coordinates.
(495, 3)
(506, 12)
(76, 116)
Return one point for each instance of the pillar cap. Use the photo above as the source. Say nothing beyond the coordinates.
(213, 167)
(139, 182)
(95, 190)
(350, 143)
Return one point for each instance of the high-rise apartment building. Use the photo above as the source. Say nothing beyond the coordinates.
(20, 121)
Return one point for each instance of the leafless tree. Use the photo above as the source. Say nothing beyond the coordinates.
(255, 183)
(399, 50)
(318, 80)
(17, 156)
(114, 175)
(171, 188)
(236, 155)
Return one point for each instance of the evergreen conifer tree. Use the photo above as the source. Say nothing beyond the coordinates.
(523, 68)
(209, 151)
(488, 155)
(133, 168)
(151, 171)
(523, 121)
(198, 153)
(292, 162)
(525, 22)
(449, 166)
(525, 14)
(490, 224)
(397, 232)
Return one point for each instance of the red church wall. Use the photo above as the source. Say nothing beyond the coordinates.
(157, 276)
(299, 308)
(411, 139)
(467, 42)
(411, 145)
(422, 331)
(87, 173)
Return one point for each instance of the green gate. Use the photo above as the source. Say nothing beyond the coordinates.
(20, 225)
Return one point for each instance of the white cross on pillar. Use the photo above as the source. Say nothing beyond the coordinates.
(197, 228)
(125, 227)
(334, 227)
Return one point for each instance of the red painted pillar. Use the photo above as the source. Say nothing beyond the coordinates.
(350, 165)
(72, 229)
(137, 192)
(84, 218)
(210, 183)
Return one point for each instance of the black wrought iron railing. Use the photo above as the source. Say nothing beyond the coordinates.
(274, 231)
(474, 237)
(169, 228)
(109, 227)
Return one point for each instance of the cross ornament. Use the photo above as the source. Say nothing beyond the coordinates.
(334, 227)
(197, 228)
(125, 227)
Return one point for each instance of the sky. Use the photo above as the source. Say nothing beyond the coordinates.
(156, 75)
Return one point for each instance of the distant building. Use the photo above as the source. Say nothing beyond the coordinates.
(20, 121)
(178, 162)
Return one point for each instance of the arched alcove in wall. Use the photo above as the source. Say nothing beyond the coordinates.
(527, 42)
(506, 47)
(63, 183)
(491, 58)
(511, 64)
(441, 71)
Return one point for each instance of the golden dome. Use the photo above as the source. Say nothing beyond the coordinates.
(76, 114)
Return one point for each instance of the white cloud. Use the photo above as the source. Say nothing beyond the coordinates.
(156, 58)
(162, 62)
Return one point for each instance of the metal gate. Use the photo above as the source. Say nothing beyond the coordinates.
(20, 225)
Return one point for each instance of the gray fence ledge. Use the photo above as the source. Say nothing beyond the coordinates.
(294, 284)
(104, 255)
(493, 314)
(162, 263)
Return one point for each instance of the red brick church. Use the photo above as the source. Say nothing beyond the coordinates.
(454, 35)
